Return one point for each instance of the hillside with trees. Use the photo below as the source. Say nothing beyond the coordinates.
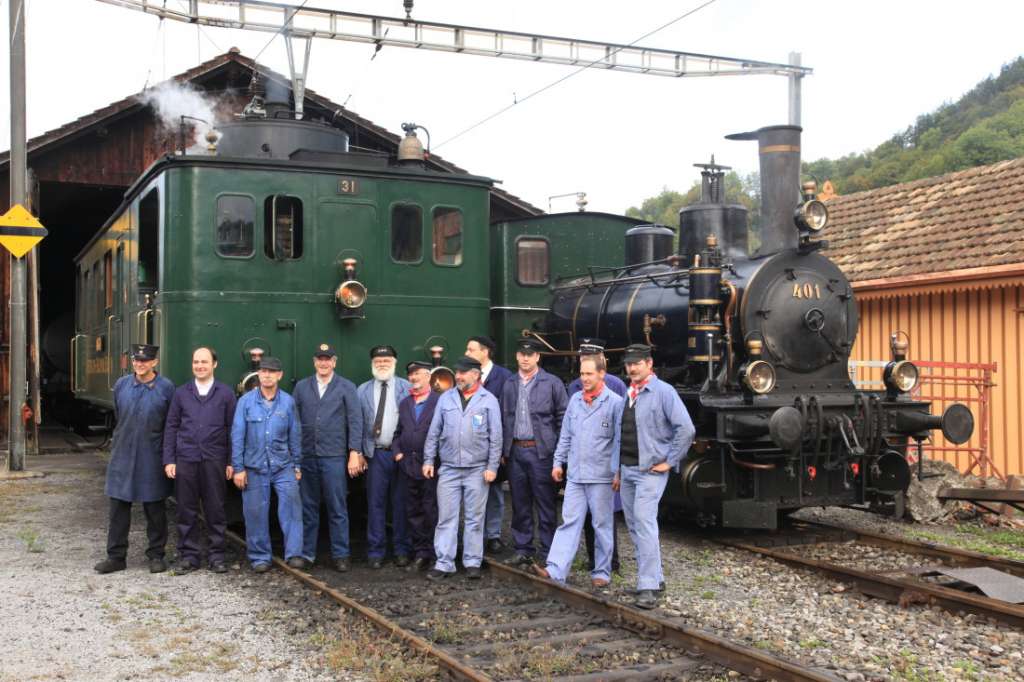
(984, 126)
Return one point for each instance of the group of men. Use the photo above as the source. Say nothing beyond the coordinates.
(429, 458)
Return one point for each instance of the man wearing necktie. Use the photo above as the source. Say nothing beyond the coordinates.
(379, 398)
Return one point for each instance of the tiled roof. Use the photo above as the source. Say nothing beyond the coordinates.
(968, 219)
(201, 72)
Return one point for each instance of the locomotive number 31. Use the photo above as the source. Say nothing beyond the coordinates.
(806, 290)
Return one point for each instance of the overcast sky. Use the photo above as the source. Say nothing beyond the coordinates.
(618, 137)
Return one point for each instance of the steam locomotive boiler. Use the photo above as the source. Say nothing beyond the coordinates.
(757, 342)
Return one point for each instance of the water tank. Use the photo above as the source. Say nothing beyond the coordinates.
(646, 243)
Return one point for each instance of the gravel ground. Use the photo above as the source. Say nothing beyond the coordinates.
(78, 625)
(797, 615)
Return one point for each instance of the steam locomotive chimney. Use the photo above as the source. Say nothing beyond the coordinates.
(779, 151)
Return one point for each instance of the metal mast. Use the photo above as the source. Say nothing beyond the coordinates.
(19, 176)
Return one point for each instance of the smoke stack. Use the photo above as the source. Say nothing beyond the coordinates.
(779, 151)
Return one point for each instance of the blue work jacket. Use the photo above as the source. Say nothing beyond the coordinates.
(365, 391)
(465, 438)
(496, 379)
(136, 472)
(664, 431)
(412, 433)
(547, 401)
(617, 385)
(199, 427)
(590, 438)
(266, 439)
(332, 425)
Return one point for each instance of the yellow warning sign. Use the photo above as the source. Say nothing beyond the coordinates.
(20, 231)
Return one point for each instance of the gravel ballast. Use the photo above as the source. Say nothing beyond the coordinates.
(64, 621)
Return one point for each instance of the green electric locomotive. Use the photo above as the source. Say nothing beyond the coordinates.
(274, 239)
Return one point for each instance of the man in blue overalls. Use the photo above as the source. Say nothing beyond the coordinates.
(656, 434)
(589, 442)
(532, 405)
(464, 442)
(332, 440)
(135, 472)
(266, 451)
(380, 397)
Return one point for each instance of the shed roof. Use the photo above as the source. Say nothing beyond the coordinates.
(956, 222)
(510, 204)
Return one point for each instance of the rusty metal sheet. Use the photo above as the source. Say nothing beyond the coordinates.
(992, 583)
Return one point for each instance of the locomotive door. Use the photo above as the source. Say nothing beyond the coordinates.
(117, 331)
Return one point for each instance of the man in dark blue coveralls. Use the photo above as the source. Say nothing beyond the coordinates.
(135, 472)
(332, 440)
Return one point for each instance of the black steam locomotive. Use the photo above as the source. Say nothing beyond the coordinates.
(757, 344)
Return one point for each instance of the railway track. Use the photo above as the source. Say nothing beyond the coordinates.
(927, 573)
(511, 625)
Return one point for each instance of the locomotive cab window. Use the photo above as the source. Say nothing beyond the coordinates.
(406, 233)
(447, 245)
(282, 227)
(149, 242)
(236, 218)
(533, 262)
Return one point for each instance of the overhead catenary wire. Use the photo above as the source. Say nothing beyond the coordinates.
(566, 77)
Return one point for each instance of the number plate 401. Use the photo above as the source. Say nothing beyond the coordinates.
(806, 290)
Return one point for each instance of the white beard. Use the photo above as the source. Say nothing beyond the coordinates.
(383, 374)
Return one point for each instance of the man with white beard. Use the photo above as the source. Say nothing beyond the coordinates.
(379, 398)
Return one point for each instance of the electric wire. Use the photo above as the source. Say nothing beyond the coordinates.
(573, 73)
(278, 32)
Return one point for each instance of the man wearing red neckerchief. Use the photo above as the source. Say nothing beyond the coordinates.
(656, 434)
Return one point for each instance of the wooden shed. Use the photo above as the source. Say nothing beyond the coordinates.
(80, 171)
(942, 259)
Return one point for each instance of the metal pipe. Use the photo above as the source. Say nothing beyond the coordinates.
(35, 370)
(795, 82)
(18, 170)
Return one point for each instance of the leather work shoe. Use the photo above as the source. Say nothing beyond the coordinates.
(540, 571)
(495, 546)
(218, 567)
(434, 574)
(401, 561)
(157, 565)
(473, 572)
(418, 564)
(299, 562)
(109, 566)
(646, 599)
(183, 568)
(521, 560)
(598, 582)
(376, 562)
(260, 568)
(341, 565)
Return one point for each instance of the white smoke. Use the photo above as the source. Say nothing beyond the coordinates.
(171, 100)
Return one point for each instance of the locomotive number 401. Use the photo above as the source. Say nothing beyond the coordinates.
(806, 290)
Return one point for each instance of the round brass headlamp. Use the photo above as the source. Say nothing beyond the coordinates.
(901, 376)
(759, 376)
(812, 216)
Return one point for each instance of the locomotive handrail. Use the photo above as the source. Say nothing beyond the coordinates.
(646, 277)
(74, 360)
(110, 360)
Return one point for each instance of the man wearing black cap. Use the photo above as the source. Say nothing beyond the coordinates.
(379, 398)
(656, 434)
(592, 348)
(266, 451)
(135, 472)
(414, 416)
(533, 403)
(493, 377)
(463, 448)
(332, 440)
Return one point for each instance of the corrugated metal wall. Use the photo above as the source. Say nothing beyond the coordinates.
(981, 323)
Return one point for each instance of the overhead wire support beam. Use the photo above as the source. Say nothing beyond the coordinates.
(310, 22)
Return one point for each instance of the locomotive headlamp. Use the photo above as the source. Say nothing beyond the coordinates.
(350, 295)
(758, 376)
(812, 216)
(901, 376)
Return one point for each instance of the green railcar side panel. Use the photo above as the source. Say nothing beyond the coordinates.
(576, 241)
